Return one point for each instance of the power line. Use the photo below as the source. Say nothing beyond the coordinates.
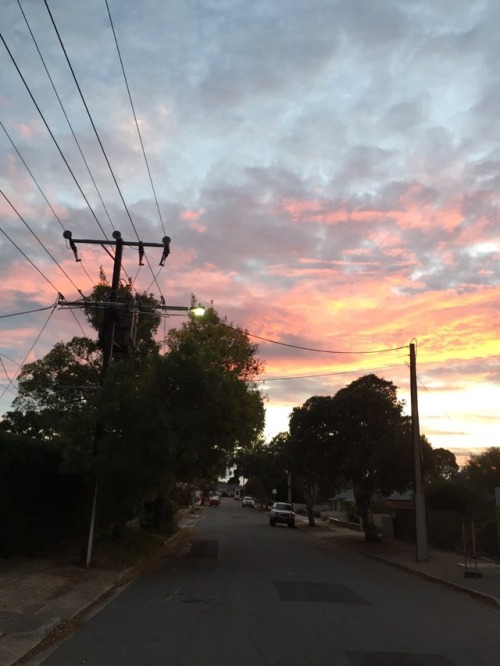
(11, 389)
(17, 314)
(30, 349)
(135, 117)
(327, 374)
(97, 134)
(39, 241)
(5, 370)
(51, 133)
(39, 188)
(65, 114)
(32, 175)
(321, 351)
(28, 259)
(11, 359)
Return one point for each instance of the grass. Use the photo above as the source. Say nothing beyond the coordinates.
(133, 546)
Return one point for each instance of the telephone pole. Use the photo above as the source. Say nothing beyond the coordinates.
(420, 517)
(108, 332)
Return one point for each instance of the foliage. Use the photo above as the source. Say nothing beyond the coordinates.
(56, 399)
(62, 380)
(218, 343)
(450, 495)
(311, 447)
(39, 505)
(147, 321)
(482, 471)
(151, 421)
(265, 466)
(444, 465)
(206, 383)
(135, 453)
(255, 488)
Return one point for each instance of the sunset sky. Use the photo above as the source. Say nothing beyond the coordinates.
(328, 171)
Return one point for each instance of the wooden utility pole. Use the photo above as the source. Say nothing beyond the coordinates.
(420, 516)
(108, 332)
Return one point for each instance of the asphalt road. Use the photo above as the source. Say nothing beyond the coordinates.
(248, 594)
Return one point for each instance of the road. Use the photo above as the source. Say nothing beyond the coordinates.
(248, 594)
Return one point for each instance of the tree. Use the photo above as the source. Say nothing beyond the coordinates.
(311, 445)
(372, 442)
(265, 467)
(482, 471)
(207, 384)
(136, 454)
(139, 317)
(56, 391)
(443, 464)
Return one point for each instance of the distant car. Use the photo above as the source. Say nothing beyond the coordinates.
(282, 512)
(214, 501)
(248, 501)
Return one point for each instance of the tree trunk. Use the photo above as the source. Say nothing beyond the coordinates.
(363, 504)
(310, 502)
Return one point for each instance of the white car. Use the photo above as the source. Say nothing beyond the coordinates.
(282, 512)
(248, 501)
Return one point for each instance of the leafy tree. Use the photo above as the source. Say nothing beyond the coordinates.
(207, 384)
(62, 379)
(443, 465)
(30, 423)
(311, 447)
(136, 451)
(372, 442)
(265, 466)
(218, 343)
(56, 391)
(39, 505)
(145, 322)
(482, 471)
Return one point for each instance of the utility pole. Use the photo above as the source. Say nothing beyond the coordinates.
(107, 354)
(420, 517)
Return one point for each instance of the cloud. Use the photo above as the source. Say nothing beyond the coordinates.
(328, 174)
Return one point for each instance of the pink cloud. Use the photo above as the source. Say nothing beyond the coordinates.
(192, 216)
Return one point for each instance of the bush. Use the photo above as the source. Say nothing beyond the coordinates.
(39, 506)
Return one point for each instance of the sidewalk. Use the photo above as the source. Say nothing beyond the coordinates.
(42, 600)
(442, 566)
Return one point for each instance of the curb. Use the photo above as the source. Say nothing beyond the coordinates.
(17, 647)
(488, 599)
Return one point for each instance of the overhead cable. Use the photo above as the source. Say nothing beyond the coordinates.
(17, 314)
(28, 259)
(320, 351)
(39, 188)
(97, 134)
(40, 242)
(326, 374)
(135, 117)
(66, 116)
(30, 349)
(51, 134)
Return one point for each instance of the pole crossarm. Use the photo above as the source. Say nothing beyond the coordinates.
(63, 303)
(118, 240)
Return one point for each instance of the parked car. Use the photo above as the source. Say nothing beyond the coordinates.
(214, 501)
(248, 501)
(282, 512)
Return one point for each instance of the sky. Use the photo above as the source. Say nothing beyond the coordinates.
(328, 172)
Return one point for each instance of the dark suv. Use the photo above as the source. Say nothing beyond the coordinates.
(282, 512)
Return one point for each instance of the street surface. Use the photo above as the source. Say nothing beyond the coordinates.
(248, 594)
